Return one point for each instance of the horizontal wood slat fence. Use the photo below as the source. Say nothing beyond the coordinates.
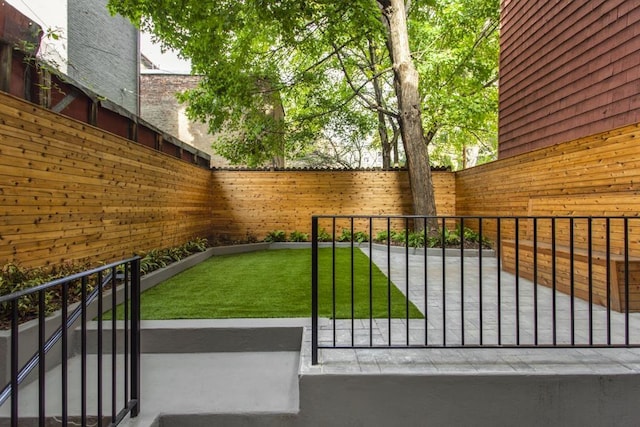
(597, 176)
(256, 202)
(72, 192)
(594, 176)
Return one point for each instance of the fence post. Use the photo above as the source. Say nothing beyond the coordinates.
(135, 336)
(314, 290)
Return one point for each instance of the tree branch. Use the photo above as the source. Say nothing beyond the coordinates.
(358, 90)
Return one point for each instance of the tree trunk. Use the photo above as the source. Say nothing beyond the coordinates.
(409, 108)
(394, 144)
(272, 100)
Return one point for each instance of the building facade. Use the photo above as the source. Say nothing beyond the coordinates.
(568, 69)
(160, 107)
(83, 41)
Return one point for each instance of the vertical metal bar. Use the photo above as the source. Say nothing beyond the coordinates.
(370, 281)
(535, 281)
(406, 276)
(572, 279)
(14, 362)
(353, 330)
(99, 349)
(135, 336)
(314, 290)
(389, 279)
(626, 281)
(126, 337)
(517, 290)
(590, 273)
(462, 279)
(499, 278)
(83, 350)
(114, 344)
(480, 305)
(553, 280)
(333, 282)
(426, 276)
(444, 284)
(609, 272)
(64, 363)
(41, 359)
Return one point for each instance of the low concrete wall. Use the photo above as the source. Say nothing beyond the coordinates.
(464, 400)
(209, 335)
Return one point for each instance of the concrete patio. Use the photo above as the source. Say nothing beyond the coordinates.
(258, 372)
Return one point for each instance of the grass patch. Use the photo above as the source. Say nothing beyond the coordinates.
(273, 283)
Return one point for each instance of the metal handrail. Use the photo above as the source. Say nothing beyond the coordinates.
(51, 342)
(131, 374)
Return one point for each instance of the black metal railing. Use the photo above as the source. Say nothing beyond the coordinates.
(496, 282)
(96, 356)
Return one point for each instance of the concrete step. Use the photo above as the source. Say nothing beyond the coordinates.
(189, 369)
(182, 385)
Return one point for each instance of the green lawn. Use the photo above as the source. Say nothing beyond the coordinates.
(272, 283)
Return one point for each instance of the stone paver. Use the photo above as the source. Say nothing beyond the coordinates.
(487, 360)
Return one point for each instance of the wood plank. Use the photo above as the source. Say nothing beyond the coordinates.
(582, 284)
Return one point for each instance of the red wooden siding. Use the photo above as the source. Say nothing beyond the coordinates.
(568, 69)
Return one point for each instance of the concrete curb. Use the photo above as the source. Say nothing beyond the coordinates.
(208, 335)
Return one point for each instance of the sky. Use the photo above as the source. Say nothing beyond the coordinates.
(167, 61)
(52, 13)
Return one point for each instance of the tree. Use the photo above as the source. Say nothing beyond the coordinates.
(456, 50)
(307, 52)
(406, 81)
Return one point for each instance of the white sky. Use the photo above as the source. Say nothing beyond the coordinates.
(52, 14)
(167, 61)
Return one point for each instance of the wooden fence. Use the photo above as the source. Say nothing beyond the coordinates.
(598, 175)
(71, 192)
(256, 202)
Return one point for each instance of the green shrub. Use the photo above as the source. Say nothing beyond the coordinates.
(416, 239)
(298, 236)
(474, 237)
(198, 244)
(14, 278)
(324, 236)
(381, 237)
(399, 237)
(345, 236)
(360, 237)
(276, 236)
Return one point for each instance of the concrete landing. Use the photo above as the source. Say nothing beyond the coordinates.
(190, 386)
(185, 384)
(189, 370)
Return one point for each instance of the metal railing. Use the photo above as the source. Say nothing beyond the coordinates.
(497, 282)
(104, 365)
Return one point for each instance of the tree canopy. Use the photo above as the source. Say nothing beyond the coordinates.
(283, 77)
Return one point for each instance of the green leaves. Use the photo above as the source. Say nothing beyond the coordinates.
(322, 58)
(457, 43)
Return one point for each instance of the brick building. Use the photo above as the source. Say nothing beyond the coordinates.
(159, 106)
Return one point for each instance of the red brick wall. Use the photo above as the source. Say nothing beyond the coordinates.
(568, 69)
